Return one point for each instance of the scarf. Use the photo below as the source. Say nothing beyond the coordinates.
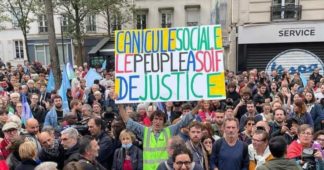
(53, 151)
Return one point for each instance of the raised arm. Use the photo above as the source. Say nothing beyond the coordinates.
(122, 112)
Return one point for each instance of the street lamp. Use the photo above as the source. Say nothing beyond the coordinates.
(61, 18)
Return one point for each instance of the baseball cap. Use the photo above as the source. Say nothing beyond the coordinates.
(9, 125)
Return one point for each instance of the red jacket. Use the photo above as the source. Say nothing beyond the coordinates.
(203, 116)
(4, 152)
(147, 122)
(294, 150)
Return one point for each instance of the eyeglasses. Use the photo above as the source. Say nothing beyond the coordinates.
(249, 124)
(207, 142)
(306, 134)
(320, 139)
(11, 131)
(181, 163)
(259, 141)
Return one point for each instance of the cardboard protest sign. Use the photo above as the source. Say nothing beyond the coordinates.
(169, 64)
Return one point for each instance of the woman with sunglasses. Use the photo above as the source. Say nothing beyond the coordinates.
(246, 135)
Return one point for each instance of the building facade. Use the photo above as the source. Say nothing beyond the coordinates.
(277, 34)
(12, 43)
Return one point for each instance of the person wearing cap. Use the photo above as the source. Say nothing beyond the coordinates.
(10, 131)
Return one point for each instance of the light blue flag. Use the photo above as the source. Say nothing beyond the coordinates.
(303, 79)
(51, 82)
(91, 76)
(26, 112)
(65, 85)
(104, 65)
(70, 72)
(160, 106)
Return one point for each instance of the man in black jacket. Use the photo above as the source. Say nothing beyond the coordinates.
(88, 150)
(69, 141)
(52, 150)
(107, 148)
(37, 110)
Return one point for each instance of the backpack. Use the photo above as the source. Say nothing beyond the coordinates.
(218, 145)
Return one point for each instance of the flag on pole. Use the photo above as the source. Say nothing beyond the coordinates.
(104, 64)
(70, 71)
(91, 76)
(65, 85)
(26, 112)
(303, 79)
(160, 106)
(51, 82)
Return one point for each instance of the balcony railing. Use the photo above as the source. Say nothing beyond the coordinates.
(288, 12)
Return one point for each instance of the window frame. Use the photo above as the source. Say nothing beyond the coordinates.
(168, 21)
(91, 25)
(42, 24)
(141, 18)
(20, 54)
(192, 9)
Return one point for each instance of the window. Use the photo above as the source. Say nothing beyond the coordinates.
(141, 21)
(42, 24)
(15, 22)
(285, 9)
(166, 18)
(42, 53)
(91, 23)
(115, 23)
(65, 23)
(192, 16)
(19, 49)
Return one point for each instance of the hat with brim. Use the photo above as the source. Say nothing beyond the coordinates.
(9, 125)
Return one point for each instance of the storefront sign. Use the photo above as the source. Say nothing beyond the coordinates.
(295, 60)
(169, 64)
(279, 33)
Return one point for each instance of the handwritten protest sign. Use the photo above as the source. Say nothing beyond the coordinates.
(169, 64)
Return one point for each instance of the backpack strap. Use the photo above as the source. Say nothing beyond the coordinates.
(166, 165)
(218, 145)
(245, 152)
(192, 165)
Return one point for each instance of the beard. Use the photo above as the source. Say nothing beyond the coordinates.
(58, 106)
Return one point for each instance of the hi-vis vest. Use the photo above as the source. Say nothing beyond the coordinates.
(155, 152)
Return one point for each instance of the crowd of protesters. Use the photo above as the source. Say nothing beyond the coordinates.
(271, 121)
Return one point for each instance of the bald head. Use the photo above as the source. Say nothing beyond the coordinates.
(32, 126)
(46, 140)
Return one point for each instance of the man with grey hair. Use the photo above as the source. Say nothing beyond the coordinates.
(14, 99)
(32, 88)
(70, 143)
(86, 111)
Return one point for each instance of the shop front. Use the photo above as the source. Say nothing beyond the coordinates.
(296, 47)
